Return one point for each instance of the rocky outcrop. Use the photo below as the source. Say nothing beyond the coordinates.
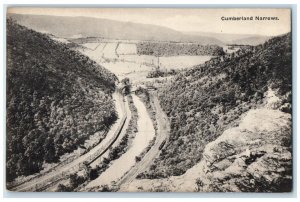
(253, 157)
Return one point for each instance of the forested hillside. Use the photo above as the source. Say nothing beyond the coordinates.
(173, 49)
(206, 100)
(56, 99)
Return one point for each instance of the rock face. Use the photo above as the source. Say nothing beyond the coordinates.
(254, 157)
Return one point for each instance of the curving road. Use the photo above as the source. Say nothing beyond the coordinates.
(141, 140)
(61, 172)
(162, 134)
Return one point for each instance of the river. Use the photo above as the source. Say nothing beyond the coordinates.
(142, 139)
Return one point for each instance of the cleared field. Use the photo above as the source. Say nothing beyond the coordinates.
(109, 50)
(91, 46)
(126, 53)
(141, 59)
(179, 62)
(133, 71)
(96, 53)
(127, 49)
(121, 59)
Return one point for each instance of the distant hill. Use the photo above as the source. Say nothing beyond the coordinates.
(80, 27)
(252, 40)
(56, 99)
(208, 99)
(241, 39)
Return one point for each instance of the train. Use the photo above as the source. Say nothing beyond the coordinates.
(162, 145)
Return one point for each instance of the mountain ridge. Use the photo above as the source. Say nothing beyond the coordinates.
(106, 28)
(240, 39)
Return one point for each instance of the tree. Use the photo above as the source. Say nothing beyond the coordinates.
(63, 188)
(126, 86)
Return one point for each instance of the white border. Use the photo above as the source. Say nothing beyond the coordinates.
(146, 2)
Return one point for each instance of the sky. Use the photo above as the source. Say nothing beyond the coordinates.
(184, 20)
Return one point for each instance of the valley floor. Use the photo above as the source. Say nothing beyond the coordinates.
(163, 129)
(123, 164)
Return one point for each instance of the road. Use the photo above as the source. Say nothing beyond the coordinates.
(145, 133)
(76, 165)
(162, 134)
(97, 161)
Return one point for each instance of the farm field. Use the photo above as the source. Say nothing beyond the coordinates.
(121, 59)
(180, 62)
(127, 49)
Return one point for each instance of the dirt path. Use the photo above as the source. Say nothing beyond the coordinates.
(142, 139)
(162, 134)
(76, 165)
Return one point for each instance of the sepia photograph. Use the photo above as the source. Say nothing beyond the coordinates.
(148, 99)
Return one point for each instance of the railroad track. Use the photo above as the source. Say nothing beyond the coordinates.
(147, 160)
(45, 180)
